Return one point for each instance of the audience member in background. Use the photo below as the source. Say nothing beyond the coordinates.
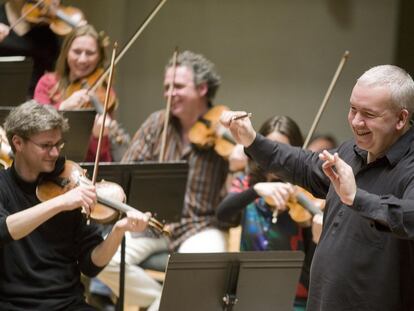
(322, 142)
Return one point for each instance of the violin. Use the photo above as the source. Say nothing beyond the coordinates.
(302, 206)
(6, 153)
(99, 91)
(207, 132)
(117, 133)
(111, 196)
(61, 19)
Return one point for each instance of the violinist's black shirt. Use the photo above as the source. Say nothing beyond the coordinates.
(40, 43)
(42, 270)
(365, 257)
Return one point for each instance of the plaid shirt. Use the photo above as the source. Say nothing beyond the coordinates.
(206, 177)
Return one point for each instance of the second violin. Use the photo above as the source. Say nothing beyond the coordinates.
(60, 18)
(207, 132)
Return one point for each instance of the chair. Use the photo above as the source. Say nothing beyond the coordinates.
(155, 265)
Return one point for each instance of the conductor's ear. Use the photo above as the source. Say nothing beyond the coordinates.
(402, 119)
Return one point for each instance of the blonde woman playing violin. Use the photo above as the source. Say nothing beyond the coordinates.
(80, 61)
(254, 200)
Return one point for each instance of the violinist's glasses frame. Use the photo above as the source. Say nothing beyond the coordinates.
(48, 147)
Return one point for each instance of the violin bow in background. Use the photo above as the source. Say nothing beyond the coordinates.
(153, 223)
(167, 110)
(105, 112)
(134, 37)
(326, 98)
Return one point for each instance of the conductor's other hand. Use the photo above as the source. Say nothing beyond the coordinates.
(241, 129)
(4, 31)
(341, 176)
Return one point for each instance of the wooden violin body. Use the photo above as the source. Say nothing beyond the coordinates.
(6, 153)
(110, 195)
(302, 206)
(61, 20)
(117, 133)
(99, 92)
(209, 133)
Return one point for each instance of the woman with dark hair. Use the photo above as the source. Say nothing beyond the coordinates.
(256, 197)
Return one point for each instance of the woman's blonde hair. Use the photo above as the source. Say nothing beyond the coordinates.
(62, 69)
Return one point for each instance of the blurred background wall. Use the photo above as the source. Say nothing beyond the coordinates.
(274, 56)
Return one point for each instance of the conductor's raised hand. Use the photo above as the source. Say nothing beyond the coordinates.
(341, 176)
(241, 129)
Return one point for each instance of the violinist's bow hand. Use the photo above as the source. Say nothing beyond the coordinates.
(75, 101)
(240, 126)
(341, 176)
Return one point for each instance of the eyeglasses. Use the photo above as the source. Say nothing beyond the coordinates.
(48, 147)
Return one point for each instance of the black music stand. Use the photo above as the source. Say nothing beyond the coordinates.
(155, 187)
(77, 138)
(15, 75)
(159, 188)
(244, 281)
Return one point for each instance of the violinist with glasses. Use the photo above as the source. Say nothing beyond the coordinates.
(45, 246)
(192, 85)
(80, 64)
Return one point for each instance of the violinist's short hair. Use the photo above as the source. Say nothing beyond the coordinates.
(31, 118)
(398, 81)
(203, 71)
